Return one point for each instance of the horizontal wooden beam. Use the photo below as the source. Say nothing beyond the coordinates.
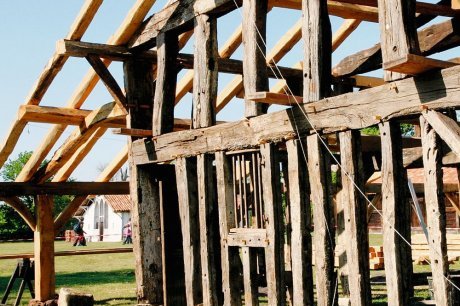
(412, 64)
(71, 253)
(53, 115)
(274, 98)
(11, 189)
(355, 110)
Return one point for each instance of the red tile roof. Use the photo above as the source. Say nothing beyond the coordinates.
(119, 203)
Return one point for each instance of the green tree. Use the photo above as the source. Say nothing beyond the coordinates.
(407, 130)
(12, 226)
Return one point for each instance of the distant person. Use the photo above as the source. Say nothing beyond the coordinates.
(79, 234)
(127, 232)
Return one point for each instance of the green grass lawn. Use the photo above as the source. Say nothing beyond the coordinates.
(109, 277)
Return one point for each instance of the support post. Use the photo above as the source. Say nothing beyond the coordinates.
(323, 219)
(45, 277)
(301, 247)
(355, 216)
(187, 185)
(396, 216)
(229, 255)
(249, 258)
(274, 252)
(254, 64)
(435, 212)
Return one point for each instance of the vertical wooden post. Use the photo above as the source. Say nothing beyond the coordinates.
(254, 64)
(274, 252)
(398, 32)
(435, 212)
(144, 194)
(208, 231)
(205, 71)
(44, 249)
(317, 38)
(301, 248)
(249, 258)
(165, 92)
(396, 217)
(229, 255)
(323, 220)
(187, 185)
(355, 216)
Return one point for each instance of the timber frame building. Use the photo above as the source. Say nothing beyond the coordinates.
(216, 205)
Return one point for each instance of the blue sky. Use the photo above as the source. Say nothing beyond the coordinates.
(30, 29)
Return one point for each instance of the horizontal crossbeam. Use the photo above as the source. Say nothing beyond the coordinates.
(11, 189)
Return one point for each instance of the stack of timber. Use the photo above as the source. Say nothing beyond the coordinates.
(421, 250)
(376, 261)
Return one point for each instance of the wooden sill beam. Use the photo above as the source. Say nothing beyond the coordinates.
(13, 189)
(412, 64)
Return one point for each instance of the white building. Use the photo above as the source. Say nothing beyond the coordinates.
(105, 217)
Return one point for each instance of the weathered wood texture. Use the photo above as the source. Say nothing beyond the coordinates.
(44, 249)
(205, 72)
(398, 33)
(349, 111)
(317, 38)
(323, 219)
(396, 212)
(187, 190)
(249, 259)
(163, 109)
(229, 255)
(274, 252)
(435, 212)
(255, 76)
(447, 128)
(209, 232)
(8, 189)
(355, 216)
(300, 210)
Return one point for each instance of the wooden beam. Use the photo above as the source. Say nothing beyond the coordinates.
(323, 219)
(412, 64)
(355, 216)
(347, 27)
(54, 115)
(396, 211)
(435, 212)
(285, 44)
(249, 260)
(435, 91)
(229, 255)
(110, 170)
(187, 191)
(11, 189)
(68, 212)
(21, 209)
(205, 72)
(45, 277)
(299, 201)
(274, 98)
(447, 128)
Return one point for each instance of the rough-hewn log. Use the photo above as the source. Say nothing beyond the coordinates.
(163, 108)
(255, 76)
(205, 72)
(301, 244)
(396, 212)
(447, 128)
(435, 212)
(21, 209)
(317, 38)
(187, 191)
(355, 216)
(323, 219)
(44, 249)
(357, 110)
(274, 252)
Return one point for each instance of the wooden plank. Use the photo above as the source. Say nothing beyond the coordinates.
(163, 108)
(46, 114)
(347, 27)
(208, 237)
(249, 259)
(274, 98)
(255, 238)
(412, 64)
(229, 255)
(10, 189)
(316, 35)
(435, 212)
(21, 209)
(44, 249)
(133, 132)
(255, 76)
(447, 128)
(396, 211)
(301, 247)
(434, 90)
(71, 253)
(274, 252)
(323, 219)
(187, 186)
(355, 216)
(108, 80)
(205, 72)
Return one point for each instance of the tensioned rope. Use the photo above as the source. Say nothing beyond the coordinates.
(279, 76)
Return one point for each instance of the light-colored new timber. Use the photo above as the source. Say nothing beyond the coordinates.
(412, 64)
(21, 209)
(274, 98)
